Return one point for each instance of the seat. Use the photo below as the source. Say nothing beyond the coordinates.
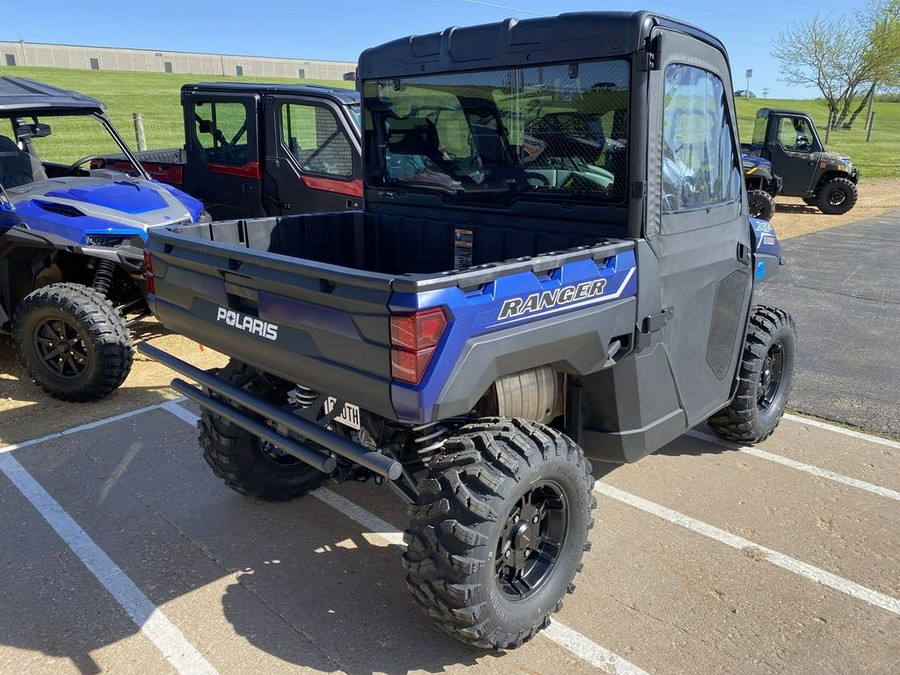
(18, 167)
(415, 136)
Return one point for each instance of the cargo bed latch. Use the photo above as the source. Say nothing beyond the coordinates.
(651, 324)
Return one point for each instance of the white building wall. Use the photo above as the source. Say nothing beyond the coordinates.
(110, 58)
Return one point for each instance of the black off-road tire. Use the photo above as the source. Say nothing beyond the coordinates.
(837, 196)
(766, 376)
(762, 204)
(246, 463)
(72, 341)
(479, 499)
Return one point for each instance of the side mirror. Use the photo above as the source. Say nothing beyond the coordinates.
(36, 130)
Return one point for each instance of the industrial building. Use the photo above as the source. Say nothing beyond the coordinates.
(113, 58)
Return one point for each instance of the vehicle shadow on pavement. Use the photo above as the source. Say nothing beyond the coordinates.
(689, 446)
(298, 581)
(343, 604)
(795, 209)
(146, 328)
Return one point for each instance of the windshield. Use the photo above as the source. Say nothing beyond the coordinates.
(552, 132)
(759, 131)
(355, 113)
(65, 139)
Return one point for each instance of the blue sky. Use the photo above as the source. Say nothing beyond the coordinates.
(340, 29)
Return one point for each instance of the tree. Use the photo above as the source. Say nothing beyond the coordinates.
(844, 58)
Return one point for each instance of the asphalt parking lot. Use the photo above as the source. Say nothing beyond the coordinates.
(123, 553)
(842, 287)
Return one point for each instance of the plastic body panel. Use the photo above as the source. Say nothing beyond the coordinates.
(325, 324)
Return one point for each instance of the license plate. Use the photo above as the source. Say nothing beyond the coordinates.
(349, 416)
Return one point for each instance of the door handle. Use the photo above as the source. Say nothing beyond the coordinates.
(743, 253)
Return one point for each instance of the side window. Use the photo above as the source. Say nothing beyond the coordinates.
(316, 139)
(794, 134)
(700, 164)
(220, 128)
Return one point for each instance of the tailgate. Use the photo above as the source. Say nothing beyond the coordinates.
(323, 326)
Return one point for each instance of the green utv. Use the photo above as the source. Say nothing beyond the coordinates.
(790, 141)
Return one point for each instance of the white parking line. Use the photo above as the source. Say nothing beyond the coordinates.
(808, 468)
(780, 559)
(86, 427)
(573, 641)
(181, 412)
(842, 430)
(376, 525)
(186, 659)
(146, 616)
(597, 656)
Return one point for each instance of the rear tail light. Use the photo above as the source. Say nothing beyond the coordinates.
(148, 272)
(413, 340)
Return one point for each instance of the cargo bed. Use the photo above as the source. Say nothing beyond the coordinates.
(310, 297)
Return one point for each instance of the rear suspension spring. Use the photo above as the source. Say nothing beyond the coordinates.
(429, 440)
(103, 276)
(302, 397)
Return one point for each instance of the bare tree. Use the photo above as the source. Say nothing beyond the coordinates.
(844, 58)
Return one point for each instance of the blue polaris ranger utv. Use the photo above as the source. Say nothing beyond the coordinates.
(69, 275)
(555, 263)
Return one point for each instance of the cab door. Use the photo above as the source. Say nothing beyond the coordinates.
(312, 159)
(794, 150)
(223, 165)
(700, 231)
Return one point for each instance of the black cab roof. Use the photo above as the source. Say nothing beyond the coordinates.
(21, 96)
(514, 43)
(766, 112)
(346, 96)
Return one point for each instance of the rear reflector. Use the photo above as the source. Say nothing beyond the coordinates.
(409, 366)
(148, 272)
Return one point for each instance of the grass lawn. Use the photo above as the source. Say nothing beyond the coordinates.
(878, 158)
(156, 97)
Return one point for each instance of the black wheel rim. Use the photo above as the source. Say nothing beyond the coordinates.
(756, 208)
(837, 197)
(770, 377)
(60, 348)
(531, 540)
(277, 457)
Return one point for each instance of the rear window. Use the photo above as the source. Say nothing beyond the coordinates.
(555, 132)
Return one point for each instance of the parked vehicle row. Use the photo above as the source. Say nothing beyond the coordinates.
(72, 228)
